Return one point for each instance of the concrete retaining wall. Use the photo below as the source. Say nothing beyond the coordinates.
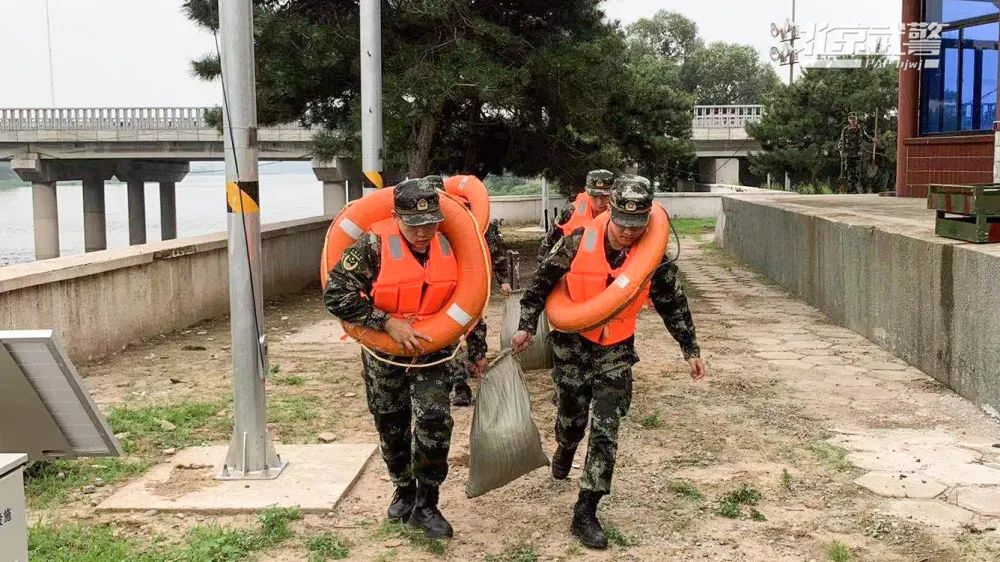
(99, 302)
(933, 302)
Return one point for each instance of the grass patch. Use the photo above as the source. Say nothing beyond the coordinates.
(47, 483)
(786, 479)
(688, 227)
(838, 552)
(388, 556)
(619, 538)
(275, 368)
(154, 428)
(514, 553)
(390, 529)
(652, 421)
(731, 504)
(685, 489)
(293, 415)
(100, 543)
(831, 457)
(289, 380)
(326, 546)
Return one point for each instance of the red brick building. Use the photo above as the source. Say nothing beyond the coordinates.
(947, 109)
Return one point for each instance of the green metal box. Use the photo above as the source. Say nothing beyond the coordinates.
(967, 212)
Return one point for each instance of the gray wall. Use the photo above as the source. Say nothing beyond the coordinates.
(933, 302)
(98, 302)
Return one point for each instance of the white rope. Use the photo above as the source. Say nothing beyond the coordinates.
(461, 344)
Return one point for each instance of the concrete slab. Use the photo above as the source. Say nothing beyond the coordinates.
(316, 478)
(964, 474)
(985, 501)
(929, 512)
(780, 355)
(901, 485)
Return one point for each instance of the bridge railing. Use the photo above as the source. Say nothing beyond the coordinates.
(726, 116)
(107, 118)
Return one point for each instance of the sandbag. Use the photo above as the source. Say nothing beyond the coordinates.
(539, 354)
(504, 443)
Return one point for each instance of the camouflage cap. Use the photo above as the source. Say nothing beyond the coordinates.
(631, 201)
(852, 114)
(417, 202)
(599, 182)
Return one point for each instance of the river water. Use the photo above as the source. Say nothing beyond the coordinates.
(201, 209)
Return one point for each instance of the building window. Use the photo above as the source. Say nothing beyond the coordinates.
(961, 93)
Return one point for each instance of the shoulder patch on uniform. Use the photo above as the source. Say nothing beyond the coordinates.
(351, 259)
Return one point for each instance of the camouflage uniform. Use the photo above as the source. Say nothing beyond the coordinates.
(398, 398)
(589, 375)
(476, 341)
(598, 183)
(850, 152)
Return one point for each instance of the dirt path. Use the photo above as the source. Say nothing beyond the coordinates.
(796, 409)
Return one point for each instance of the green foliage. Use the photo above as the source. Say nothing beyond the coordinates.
(513, 185)
(326, 546)
(652, 421)
(289, 380)
(50, 482)
(729, 74)
(731, 504)
(832, 457)
(690, 227)
(786, 479)
(838, 552)
(686, 489)
(100, 543)
(390, 529)
(514, 553)
(617, 537)
(186, 424)
(802, 124)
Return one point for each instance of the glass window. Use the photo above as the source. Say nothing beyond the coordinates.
(961, 93)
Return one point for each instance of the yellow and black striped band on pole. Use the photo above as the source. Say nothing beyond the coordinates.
(242, 197)
(374, 179)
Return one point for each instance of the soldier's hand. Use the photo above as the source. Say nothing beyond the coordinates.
(697, 368)
(479, 367)
(402, 332)
(505, 289)
(520, 341)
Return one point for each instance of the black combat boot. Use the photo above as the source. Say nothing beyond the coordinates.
(585, 524)
(562, 461)
(426, 515)
(463, 395)
(402, 502)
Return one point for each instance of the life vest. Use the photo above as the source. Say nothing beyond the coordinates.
(590, 274)
(404, 287)
(583, 213)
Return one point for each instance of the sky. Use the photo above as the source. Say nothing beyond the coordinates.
(127, 53)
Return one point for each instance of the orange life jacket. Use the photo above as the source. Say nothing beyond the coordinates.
(406, 288)
(590, 274)
(583, 213)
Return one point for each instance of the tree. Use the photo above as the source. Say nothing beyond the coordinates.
(728, 73)
(473, 87)
(802, 123)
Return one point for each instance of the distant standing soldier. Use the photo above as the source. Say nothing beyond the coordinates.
(374, 269)
(850, 151)
(593, 370)
(587, 205)
(476, 342)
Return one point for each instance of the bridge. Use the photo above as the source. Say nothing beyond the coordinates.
(157, 144)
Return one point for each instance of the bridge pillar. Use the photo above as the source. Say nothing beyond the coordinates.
(45, 209)
(136, 212)
(339, 176)
(95, 233)
(168, 210)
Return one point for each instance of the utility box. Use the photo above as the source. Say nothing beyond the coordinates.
(13, 526)
(967, 212)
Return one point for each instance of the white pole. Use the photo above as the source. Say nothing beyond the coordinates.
(251, 454)
(371, 94)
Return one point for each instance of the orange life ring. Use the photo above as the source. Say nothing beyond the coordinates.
(466, 305)
(566, 315)
(471, 189)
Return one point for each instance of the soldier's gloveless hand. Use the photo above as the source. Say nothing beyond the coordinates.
(520, 341)
(402, 332)
(698, 371)
(505, 289)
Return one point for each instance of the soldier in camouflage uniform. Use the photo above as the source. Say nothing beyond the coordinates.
(476, 341)
(598, 192)
(591, 377)
(398, 398)
(850, 151)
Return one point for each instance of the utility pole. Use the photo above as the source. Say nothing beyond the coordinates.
(52, 74)
(371, 94)
(786, 34)
(251, 454)
(791, 63)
